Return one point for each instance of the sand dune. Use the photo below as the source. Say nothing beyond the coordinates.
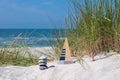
(104, 68)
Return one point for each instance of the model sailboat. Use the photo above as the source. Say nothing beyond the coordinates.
(65, 55)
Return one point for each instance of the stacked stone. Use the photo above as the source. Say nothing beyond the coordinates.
(43, 62)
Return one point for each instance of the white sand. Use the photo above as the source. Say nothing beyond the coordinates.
(104, 68)
(38, 51)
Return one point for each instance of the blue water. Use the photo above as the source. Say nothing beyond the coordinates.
(30, 37)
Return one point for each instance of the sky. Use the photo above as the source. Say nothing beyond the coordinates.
(32, 13)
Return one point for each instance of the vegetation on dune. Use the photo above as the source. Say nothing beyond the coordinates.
(93, 27)
(17, 53)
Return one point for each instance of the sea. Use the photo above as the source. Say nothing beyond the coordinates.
(30, 37)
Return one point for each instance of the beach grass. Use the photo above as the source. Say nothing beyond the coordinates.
(93, 27)
(17, 53)
(57, 47)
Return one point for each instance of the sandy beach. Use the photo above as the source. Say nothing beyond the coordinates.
(35, 51)
(106, 67)
(38, 51)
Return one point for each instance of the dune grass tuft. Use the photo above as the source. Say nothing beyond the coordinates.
(94, 27)
(17, 53)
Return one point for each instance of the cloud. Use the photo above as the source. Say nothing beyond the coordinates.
(47, 3)
(28, 12)
(17, 13)
(28, 6)
(27, 9)
(7, 5)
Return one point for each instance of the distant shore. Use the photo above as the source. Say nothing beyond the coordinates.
(38, 51)
(35, 51)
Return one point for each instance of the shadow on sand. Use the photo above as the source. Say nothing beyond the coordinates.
(106, 56)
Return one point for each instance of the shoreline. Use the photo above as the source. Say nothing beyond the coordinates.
(35, 51)
(38, 51)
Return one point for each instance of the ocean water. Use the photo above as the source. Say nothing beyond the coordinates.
(30, 37)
